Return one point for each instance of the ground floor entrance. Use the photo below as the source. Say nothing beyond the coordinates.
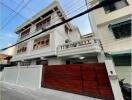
(86, 79)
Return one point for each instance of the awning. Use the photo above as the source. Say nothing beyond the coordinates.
(121, 52)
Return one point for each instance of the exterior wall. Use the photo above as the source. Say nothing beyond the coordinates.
(74, 35)
(124, 72)
(10, 51)
(57, 37)
(100, 17)
(110, 44)
(56, 61)
(0, 75)
(100, 21)
(29, 77)
(30, 53)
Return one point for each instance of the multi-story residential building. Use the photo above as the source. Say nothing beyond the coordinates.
(112, 24)
(57, 46)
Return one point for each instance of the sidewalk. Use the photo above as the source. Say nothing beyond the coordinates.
(12, 92)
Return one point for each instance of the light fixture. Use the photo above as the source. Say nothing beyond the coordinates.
(81, 57)
(43, 58)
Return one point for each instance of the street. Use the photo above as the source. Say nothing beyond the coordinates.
(11, 92)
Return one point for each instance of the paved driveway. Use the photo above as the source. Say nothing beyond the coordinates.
(12, 92)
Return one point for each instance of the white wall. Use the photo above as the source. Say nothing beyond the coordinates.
(0, 75)
(9, 51)
(30, 53)
(100, 21)
(29, 77)
(56, 61)
(124, 72)
(110, 44)
(100, 17)
(57, 37)
(75, 35)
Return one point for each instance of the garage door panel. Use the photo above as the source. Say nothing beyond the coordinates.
(86, 79)
(89, 75)
(89, 84)
(64, 84)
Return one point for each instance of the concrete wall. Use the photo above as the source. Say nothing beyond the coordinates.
(57, 37)
(101, 17)
(74, 35)
(110, 43)
(56, 61)
(100, 21)
(124, 72)
(0, 74)
(29, 77)
(9, 51)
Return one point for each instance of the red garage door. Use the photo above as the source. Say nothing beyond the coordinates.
(86, 79)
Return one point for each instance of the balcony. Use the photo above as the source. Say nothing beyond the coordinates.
(85, 47)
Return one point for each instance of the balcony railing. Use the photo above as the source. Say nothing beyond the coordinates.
(85, 45)
(78, 44)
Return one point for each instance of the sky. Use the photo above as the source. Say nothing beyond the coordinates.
(14, 12)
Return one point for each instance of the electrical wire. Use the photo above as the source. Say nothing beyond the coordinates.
(72, 12)
(101, 4)
(20, 15)
(12, 9)
(7, 22)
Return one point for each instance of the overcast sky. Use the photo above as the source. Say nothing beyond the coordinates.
(9, 19)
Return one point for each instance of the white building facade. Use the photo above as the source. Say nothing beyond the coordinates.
(112, 24)
(57, 46)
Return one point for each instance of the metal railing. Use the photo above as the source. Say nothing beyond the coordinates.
(80, 43)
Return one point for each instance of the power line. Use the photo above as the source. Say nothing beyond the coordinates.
(72, 12)
(101, 4)
(15, 15)
(12, 9)
(19, 14)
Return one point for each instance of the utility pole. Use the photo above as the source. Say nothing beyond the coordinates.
(110, 67)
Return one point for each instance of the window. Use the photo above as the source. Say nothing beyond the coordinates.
(25, 63)
(21, 48)
(41, 42)
(43, 24)
(25, 33)
(122, 29)
(122, 59)
(66, 29)
(115, 6)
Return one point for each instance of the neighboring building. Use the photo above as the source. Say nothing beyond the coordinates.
(4, 59)
(62, 45)
(9, 51)
(112, 24)
(89, 35)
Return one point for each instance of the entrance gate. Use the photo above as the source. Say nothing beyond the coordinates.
(86, 79)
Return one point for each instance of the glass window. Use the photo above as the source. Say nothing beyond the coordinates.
(43, 24)
(115, 6)
(122, 29)
(122, 60)
(25, 33)
(41, 42)
(21, 48)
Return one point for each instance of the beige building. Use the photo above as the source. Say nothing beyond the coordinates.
(112, 24)
(62, 45)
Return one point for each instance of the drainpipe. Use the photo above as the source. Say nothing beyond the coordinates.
(108, 62)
